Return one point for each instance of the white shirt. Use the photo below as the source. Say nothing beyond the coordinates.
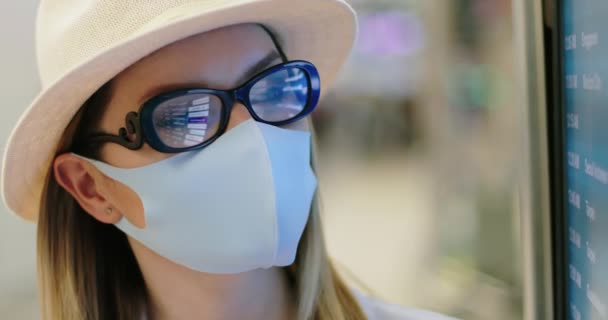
(375, 309)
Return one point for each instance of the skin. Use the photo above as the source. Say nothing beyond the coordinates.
(215, 59)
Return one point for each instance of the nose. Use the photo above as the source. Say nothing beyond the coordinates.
(238, 115)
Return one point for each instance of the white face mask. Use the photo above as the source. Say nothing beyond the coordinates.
(239, 204)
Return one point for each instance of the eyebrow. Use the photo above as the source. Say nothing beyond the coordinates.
(262, 64)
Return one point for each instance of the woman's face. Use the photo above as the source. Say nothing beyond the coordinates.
(219, 59)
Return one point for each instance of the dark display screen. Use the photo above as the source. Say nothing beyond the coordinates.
(585, 68)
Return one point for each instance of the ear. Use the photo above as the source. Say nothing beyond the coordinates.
(86, 184)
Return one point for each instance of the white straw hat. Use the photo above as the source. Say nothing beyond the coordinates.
(83, 44)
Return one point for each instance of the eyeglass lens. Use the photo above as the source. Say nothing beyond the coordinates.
(187, 120)
(280, 96)
(192, 119)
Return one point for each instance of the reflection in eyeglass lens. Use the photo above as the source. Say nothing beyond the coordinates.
(185, 122)
(280, 96)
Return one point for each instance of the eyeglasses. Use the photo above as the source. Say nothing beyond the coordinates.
(190, 119)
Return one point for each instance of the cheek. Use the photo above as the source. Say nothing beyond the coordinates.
(129, 204)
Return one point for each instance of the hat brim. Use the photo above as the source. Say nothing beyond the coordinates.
(320, 31)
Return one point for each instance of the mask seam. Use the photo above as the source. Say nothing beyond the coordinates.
(274, 196)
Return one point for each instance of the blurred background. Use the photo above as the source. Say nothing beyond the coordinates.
(419, 150)
(419, 144)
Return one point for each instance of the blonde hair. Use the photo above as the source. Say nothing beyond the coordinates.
(87, 271)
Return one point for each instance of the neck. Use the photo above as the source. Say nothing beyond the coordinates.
(177, 293)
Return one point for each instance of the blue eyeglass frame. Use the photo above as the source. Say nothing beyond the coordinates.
(140, 124)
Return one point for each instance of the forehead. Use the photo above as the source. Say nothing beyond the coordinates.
(215, 59)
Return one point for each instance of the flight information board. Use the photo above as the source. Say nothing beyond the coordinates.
(585, 98)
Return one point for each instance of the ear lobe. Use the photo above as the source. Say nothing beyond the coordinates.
(83, 182)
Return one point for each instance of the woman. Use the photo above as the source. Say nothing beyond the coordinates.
(168, 161)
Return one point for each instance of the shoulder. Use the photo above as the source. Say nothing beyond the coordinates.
(379, 310)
